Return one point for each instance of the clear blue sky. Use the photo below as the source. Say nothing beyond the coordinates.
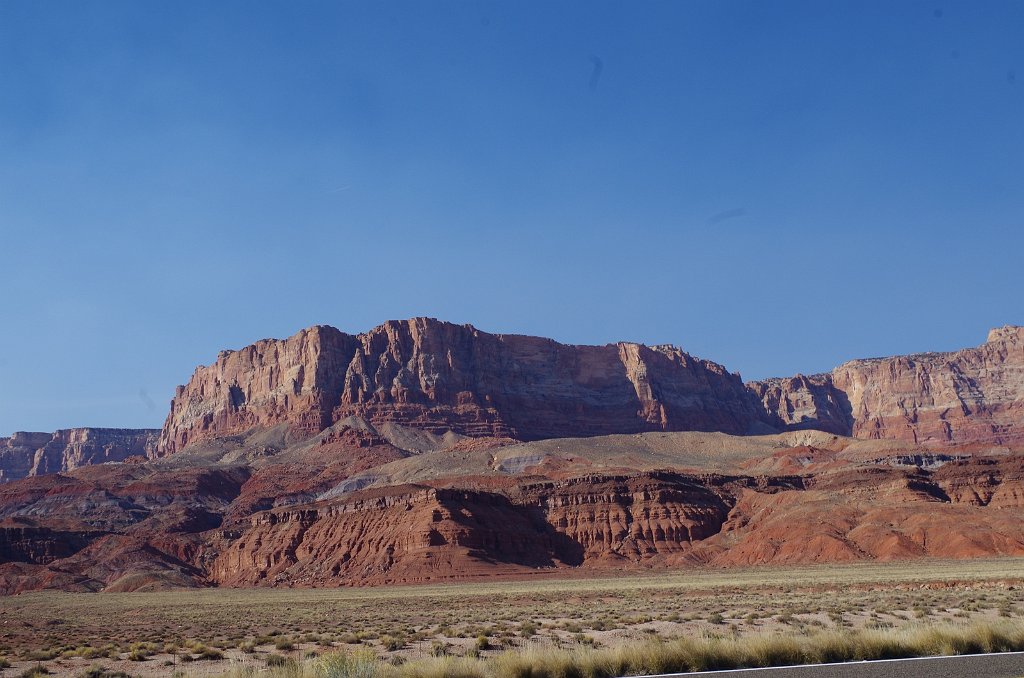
(778, 186)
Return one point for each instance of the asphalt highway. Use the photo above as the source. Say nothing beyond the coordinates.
(1002, 665)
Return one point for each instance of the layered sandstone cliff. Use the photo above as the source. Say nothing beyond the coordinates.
(336, 459)
(801, 403)
(414, 533)
(972, 395)
(442, 377)
(27, 454)
(190, 520)
(975, 395)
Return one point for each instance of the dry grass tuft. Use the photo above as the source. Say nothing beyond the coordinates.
(538, 660)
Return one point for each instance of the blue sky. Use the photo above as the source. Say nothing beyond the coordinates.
(776, 186)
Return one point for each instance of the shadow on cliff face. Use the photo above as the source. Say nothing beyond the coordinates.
(565, 548)
(846, 410)
(495, 530)
(41, 545)
(630, 517)
(802, 403)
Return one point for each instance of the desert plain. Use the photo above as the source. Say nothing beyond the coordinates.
(210, 632)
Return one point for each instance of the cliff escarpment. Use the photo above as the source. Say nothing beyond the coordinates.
(26, 454)
(441, 377)
(975, 395)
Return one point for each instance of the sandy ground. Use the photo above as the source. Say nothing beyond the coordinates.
(250, 626)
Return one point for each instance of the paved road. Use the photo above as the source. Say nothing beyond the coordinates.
(1003, 665)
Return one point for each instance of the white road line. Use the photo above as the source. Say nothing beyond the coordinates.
(808, 666)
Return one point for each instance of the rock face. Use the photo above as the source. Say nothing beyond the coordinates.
(418, 534)
(31, 454)
(438, 377)
(294, 381)
(415, 534)
(800, 403)
(964, 509)
(631, 518)
(975, 395)
(39, 545)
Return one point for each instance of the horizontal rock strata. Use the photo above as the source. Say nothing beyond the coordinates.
(32, 454)
(975, 395)
(441, 377)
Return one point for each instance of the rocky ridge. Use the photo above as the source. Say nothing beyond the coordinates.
(975, 395)
(26, 454)
(439, 377)
(593, 503)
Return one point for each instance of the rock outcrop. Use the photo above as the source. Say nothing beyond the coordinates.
(965, 509)
(653, 519)
(631, 518)
(441, 377)
(199, 520)
(30, 454)
(415, 533)
(801, 403)
(975, 395)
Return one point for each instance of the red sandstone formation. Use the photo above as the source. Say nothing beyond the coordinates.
(975, 395)
(442, 377)
(800, 403)
(31, 454)
(170, 524)
(416, 533)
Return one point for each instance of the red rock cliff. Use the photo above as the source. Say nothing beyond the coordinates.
(30, 454)
(439, 376)
(799, 403)
(414, 534)
(295, 381)
(975, 395)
